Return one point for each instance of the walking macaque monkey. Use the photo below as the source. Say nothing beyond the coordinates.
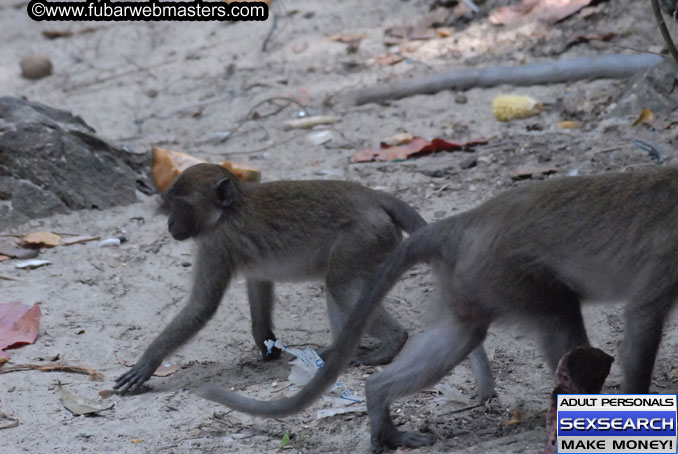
(533, 254)
(281, 231)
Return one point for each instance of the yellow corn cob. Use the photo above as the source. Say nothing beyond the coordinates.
(511, 107)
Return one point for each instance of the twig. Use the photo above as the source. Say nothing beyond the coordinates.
(274, 25)
(54, 367)
(614, 66)
(665, 31)
(8, 278)
(276, 10)
(11, 425)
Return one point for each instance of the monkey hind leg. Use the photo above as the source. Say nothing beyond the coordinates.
(392, 335)
(425, 360)
(643, 326)
(480, 364)
(344, 287)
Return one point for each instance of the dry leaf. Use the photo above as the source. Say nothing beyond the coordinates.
(19, 325)
(348, 37)
(516, 418)
(547, 11)
(568, 124)
(166, 369)
(389, 59)
(41, 239)
(79, 405)
(417, 147)
(444, 32)
(168, 164)
(646, 116)
(587, 38)
(3, 258)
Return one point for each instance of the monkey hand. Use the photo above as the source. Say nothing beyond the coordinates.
(133, 379)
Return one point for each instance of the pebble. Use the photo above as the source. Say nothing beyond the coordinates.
(35, 66)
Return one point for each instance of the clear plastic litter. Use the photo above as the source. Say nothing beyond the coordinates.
(304, 366)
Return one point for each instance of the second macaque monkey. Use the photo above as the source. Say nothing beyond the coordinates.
(532, 254)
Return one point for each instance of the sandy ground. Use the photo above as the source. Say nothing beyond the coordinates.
(182, 86)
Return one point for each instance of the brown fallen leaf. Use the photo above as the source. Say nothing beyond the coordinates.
(168, 164)
(78, 239)
(54, 34)
(528, 171)
(517, 417)
(3, 258)
(54, 367)
(80, 405)
(348, 37)
(19, 325)
(40, 239)
(646, 116)
(546, 11)
(579, 39)
(389, 59)
(419, 146)
(568, 124)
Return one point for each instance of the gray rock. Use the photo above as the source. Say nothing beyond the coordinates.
(51, 161)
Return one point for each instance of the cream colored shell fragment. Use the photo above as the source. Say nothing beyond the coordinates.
(511, 107)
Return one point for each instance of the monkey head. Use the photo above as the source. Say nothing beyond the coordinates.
(198, 199)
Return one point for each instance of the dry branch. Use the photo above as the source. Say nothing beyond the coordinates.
(615, 66)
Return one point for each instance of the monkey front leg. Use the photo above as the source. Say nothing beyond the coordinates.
(261, 298)
(208, 289)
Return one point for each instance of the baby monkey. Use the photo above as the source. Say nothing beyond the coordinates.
(279, 231)
(531, 254)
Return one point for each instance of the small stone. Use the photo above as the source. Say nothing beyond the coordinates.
(460, 98)
(35, 66)
(468, 163)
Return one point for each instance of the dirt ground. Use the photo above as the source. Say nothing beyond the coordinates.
(185, 86)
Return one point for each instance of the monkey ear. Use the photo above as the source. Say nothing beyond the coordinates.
(225, 192)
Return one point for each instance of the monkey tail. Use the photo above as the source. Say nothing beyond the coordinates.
(403, 215)
(420, 246)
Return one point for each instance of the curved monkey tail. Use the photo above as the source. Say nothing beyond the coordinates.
(403, 215)
(424, 244)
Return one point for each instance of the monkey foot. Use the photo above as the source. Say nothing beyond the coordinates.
(403, 439)
(274, 354)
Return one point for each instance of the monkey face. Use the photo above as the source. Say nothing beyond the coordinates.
(198, 199)
(181, 222)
